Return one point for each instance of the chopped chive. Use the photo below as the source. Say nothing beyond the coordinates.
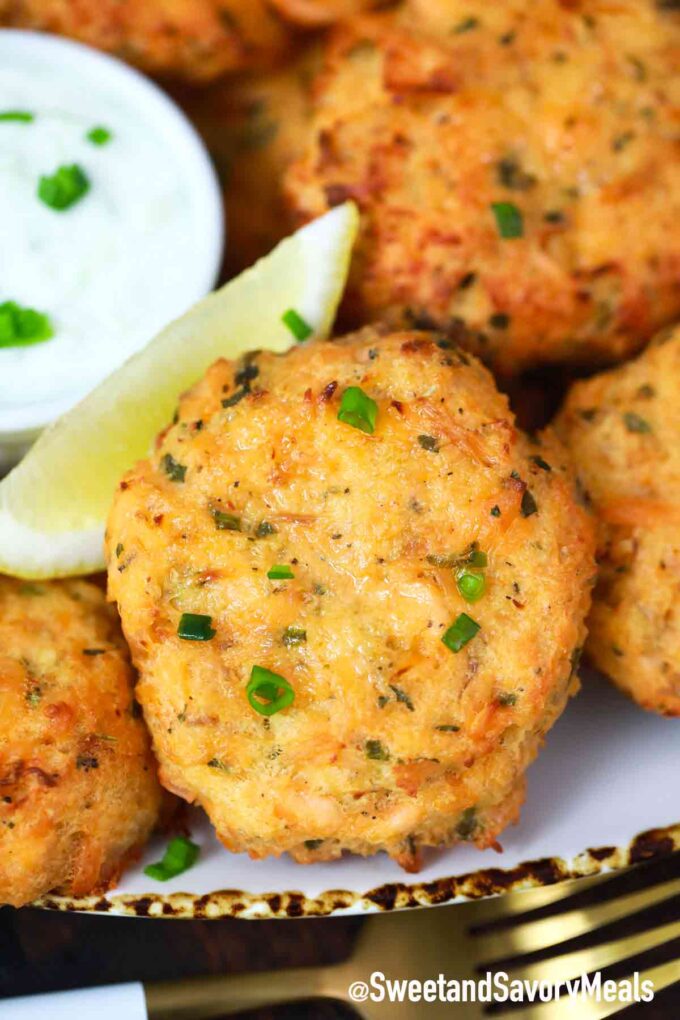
(471, 584)
(429, 443)
(119, 549)
(20, 326)
(175, 471)
(448, 728)
(236, 397)
(99, 135)
(375, 750)
(495, 511)
(635, 423)
(358, 410)
(62, 189)
(217, 763)
(294, 636)
(462, 630)
(17, 116)
(280, 572)
(226, 522)
(509, 220)
(298, 326)
(529, 505)
(195, 627)
(264, 529)
(180, 855)
(268, 692)
(94, 651)
(506, 699)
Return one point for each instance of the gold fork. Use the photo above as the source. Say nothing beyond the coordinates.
(464, 942)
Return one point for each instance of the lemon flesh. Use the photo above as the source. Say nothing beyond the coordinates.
(54, 504)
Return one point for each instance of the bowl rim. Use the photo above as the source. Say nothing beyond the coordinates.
(19, 425)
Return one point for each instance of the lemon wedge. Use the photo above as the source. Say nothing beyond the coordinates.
(54, 504)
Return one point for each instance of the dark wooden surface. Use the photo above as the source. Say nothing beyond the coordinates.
(42, 951)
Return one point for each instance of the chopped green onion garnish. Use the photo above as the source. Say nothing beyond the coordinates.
(471, 584)
(173, 469)
(62, 189)
(99, 135)
(358, 410)
(508, 219)
(226, 522)
(462, 630)
(635, 423)
(268, 692)
(280, 572)
(17, 116)
(180, 855)
(300, 329)
(21, 326)
(294, 636)
(195, 627)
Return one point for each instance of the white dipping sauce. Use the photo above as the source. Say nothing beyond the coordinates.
(120, 263)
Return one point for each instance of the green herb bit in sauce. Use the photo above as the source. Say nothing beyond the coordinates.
(429, 443)
(62, 189)
(375, 750)
(180, 855)
(20, 327)
(225, 521)
(529, 505)
(358, 410)
(635, 423)
(280, 572)
(195, 627)
(99, 135)
(175, 471)
(509, 220)
(462, 630)
(17, 116)
(294, 636)
(268, 692)
(298, 326)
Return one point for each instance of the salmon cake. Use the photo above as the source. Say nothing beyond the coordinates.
(78, 788)
(355, 594)
(192, 40)
(517, 169)
(623, 429)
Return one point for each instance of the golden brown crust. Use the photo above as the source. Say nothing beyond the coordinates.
(567, 111)
(78, 787)
(194, 40)
(623, 428)
(393, 741)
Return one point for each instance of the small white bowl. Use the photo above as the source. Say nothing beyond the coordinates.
(158, 120)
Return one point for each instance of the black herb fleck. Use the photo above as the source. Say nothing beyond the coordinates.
(217, 763)
(225, 521)
(403, 697)
(467, 824)
(495, 511)
(264, 529)
(529, 506)
(510, 175)
(539, 462)
(294, 636)
(506, 699)
(448, 728)
(86, 762)
(313, 844)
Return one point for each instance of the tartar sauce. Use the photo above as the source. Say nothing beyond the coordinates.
(122, 260)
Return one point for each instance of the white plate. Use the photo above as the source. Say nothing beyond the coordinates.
(603, 794)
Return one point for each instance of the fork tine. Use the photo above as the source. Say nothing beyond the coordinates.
(530, 936)
(587, 1009)
(586, 961)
